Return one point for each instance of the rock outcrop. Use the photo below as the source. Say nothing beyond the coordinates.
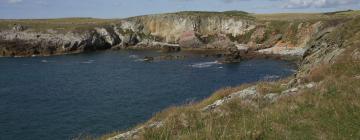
(169, 33)
(28, 43)
(170, 27)
(321, 43)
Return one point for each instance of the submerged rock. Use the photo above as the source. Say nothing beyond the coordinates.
(148, 59)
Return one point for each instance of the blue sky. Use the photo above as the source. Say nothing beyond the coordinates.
(125, 8)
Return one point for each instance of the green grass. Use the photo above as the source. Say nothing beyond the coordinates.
(307, 16)
(330, 111)
(234, 14)
(60, 25)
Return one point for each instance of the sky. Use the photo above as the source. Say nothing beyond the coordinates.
(25, 9)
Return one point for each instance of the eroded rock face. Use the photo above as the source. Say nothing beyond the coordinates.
(26, 43)
(185, 30)
(170, 27)
(190, 39)
(322, 49)
(108, 35)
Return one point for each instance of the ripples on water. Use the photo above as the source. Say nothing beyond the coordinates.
(60, 97)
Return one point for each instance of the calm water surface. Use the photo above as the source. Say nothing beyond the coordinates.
(60, 97)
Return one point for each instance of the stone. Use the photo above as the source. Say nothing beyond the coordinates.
(148, 58)
(356, 55)
(232, 55)
(170, 48)
(294, 89)
(357, 77)
(246, 93)
(271, 97)
(108, 35)
(310, 85)
(242, 47)
(18, 28)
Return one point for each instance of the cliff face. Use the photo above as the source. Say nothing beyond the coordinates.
(28, 43)
(206, 30)
(326, 83)
(170, 27)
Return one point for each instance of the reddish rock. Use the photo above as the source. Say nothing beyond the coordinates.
(189, 39)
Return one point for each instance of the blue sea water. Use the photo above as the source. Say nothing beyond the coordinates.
(61, 97)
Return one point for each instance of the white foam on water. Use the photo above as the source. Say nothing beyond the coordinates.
(293, 70)
(88, 62)
(44, 61)
(271, 77)
(139, 60)
(133, 56)
(204, 64)
(47, 61)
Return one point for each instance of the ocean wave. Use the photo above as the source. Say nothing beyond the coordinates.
(271, 77)
(204, 64)
(88, 62)
(139, 60)
(46, 61)
(133, 56)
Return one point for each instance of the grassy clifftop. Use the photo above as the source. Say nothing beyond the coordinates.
(68, 24)
(60, 24)
(308, 16)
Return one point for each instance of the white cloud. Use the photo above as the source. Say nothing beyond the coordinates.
(318, 3)
(14, 1)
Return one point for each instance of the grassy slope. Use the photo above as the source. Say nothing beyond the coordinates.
(61, 24)
(306, 16)
(329, 111)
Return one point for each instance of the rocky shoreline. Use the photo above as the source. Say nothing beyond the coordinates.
(167, 32)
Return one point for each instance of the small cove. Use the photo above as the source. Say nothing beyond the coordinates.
(60, 97)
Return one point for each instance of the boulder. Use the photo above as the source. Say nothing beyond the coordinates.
(108, 35)
(271, 97)
(148, 59)
(233, 55)
(130, 39)
(18, 28)
(170, 48)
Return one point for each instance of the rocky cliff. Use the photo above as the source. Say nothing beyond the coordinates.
(204, 30)
(320, 98)
(170, 27)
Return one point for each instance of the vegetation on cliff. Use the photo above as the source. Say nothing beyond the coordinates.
(59, 25)
(320, 102)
